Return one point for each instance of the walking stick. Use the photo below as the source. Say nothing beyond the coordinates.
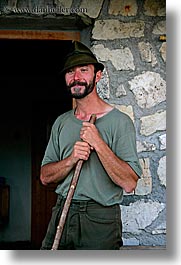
(69, 197)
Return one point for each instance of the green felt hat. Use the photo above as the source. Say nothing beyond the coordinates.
(80, 55)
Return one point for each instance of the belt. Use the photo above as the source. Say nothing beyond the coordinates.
(83, 203)
(80, 205)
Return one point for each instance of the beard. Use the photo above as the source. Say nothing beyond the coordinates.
(77, 93)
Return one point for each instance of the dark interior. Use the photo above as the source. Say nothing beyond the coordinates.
(33, 94)
(30, 78)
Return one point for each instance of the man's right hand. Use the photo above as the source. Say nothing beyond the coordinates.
(81, 150)
(57, 171)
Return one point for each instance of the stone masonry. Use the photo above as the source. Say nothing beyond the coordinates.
(126, 40)
(125, 36)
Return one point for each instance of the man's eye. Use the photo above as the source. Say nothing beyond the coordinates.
(70, 71)
(84, 69)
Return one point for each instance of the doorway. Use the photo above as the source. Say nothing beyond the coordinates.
(35, 91)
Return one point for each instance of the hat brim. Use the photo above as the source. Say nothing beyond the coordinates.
(81, 59)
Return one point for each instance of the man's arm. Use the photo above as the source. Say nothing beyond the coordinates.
(57, 171)
(118, 170)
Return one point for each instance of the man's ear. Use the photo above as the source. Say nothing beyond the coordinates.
(98, 76)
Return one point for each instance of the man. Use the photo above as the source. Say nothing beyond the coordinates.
(110, 160)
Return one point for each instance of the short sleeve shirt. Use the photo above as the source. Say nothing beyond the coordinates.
(117, 130)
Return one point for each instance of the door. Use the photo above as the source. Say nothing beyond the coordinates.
(38, 94)
(49, 101)
(43, 197)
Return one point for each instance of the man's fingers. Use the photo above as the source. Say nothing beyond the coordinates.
(82, 150)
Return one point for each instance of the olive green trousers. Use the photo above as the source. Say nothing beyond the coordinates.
(89, 226)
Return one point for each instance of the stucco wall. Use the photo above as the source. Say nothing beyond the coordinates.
(125, 36)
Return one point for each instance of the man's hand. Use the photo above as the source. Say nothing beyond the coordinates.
(90, 134)
(81, 150)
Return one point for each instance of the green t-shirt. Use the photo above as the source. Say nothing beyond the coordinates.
(117, 130)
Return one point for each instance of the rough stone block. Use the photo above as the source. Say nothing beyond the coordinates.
(149, 89)
(147, 54)
(162, 140)
(93, 7)
(123, 7)
(111, 29)
(153, 123)
(139, 215)
(163, 50)
(155, 7)
(145, 146)
(122, 58)
(162, 170)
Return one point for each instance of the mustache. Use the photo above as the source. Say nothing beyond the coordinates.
(77, 83)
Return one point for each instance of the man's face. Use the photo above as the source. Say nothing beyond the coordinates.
(80, 80)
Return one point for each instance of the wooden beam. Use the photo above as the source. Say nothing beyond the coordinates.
(39, 35)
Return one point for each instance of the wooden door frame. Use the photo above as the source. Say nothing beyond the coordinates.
(39, 35)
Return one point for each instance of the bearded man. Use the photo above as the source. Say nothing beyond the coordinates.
(108, 149)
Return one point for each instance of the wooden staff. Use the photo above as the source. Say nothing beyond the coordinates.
(69, 197)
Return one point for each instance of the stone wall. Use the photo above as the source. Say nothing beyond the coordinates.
(128, 36)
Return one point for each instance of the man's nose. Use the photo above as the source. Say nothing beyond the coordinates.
(77, 75)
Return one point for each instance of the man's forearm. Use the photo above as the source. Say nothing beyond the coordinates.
(118, 170)
(56, 171)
